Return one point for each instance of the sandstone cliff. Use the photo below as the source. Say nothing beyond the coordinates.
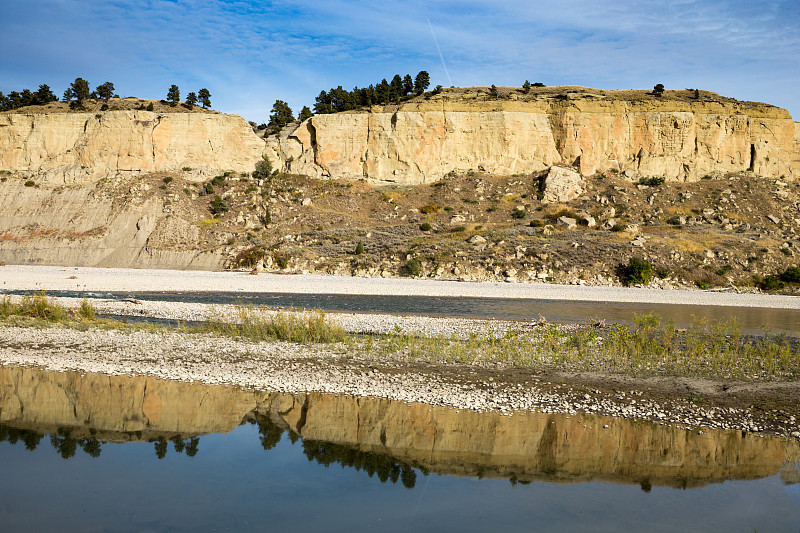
(598, 131)
(534, 446)
(80, 147)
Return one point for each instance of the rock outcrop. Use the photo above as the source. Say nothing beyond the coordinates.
(561, 185)
(596, 131)
(81, 147)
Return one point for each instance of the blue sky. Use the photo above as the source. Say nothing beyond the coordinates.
(248, 53)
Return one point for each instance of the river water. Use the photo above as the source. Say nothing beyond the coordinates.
(752, 320)
(87, 452)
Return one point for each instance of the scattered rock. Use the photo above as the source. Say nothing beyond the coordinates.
(562, 185)
(569, 222)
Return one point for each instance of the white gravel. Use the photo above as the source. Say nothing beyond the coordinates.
(52, 278)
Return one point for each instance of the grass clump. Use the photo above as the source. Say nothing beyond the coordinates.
(259, 325)
(40, 307)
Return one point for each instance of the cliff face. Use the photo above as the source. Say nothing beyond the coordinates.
(123, 220)
(80, 147)
(423, 141)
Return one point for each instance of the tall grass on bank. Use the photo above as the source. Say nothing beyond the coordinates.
(649, 348)
(305, 327)
(39, 306)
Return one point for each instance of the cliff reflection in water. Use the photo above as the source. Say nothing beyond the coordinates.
(387, 439)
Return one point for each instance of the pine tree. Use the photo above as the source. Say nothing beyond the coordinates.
(174, 95)
(105, 90)
(408, 85)
(79, 90)
(422, 82)
(305, 114)
(281, 115)
(191, 100)
(204, 96)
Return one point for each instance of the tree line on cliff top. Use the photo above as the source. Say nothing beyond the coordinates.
(338, 99)
(79, 90)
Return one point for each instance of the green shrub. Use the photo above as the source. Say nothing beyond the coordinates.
(218, 205)
(249, 258)
(662, 272)
(425, 226)
(266, 218)
(428, 209)
(30, 183)
(705, 285)
(654, 181)
(208, 188)
(536, 223)
(263, 169)
(637, 271)
(411, 268)
(458, 229)
(150, 106)
(769, 283)
(282, 261)
(518, 213)
(791, 275)
(359, 248)
(167, 179)
(217, 181)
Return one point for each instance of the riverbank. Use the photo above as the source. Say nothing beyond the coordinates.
(349, 368)
(770, 405)
(86, 279)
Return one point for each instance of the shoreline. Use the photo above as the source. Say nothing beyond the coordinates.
(93, 279)
(771, 407)
(279, 366)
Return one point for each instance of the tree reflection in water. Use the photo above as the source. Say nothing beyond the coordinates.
(385, 467)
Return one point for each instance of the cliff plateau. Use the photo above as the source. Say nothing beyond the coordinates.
(83, 147)
(458, 130)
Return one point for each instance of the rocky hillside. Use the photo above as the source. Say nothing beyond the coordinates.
(680, 135)
(559, 226)
(131, 187)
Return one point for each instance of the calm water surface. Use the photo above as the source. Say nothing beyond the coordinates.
(99, 453)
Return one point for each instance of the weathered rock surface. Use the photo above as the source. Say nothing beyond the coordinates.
(81, 147)
(423, 141)
(561, 185)
(117, 221)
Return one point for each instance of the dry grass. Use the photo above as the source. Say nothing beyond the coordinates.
(258, 324)
(650, 348)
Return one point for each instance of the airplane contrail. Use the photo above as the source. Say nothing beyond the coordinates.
(440, 52)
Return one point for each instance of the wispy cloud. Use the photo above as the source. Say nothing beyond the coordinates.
(250, 53)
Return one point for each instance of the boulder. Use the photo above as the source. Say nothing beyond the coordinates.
(561, 184)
